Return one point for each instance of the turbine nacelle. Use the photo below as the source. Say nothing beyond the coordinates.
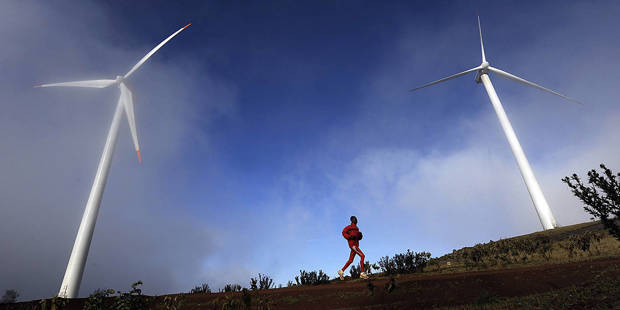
(484, 69)
(119, 79)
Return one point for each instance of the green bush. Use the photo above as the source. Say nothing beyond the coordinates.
(355, 270)
(311, 278)
(602, 197)
(204, 288)
(96, 300)
(231, 288)
(262, 283)
(174, 303)
(56, 303)
(583, 242)
(132, 300)
(404, 263)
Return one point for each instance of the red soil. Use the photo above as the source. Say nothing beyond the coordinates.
(415, 291)
(412, 291)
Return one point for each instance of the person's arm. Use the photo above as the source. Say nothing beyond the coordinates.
(345, 232)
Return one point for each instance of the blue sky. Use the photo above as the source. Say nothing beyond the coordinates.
(265, 125)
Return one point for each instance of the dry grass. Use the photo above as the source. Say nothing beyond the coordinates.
(560, 240)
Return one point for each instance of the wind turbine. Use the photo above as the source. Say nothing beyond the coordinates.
(542, 208)
(73, 275)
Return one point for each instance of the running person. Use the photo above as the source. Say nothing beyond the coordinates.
(353, 236)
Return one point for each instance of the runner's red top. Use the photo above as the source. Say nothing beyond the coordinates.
(351, 233)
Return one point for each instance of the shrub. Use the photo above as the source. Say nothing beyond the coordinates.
(96, 300)
(604, 205)
(58, 303)
(231, 288)
(355, 272)
(231, 303)
(387, 265)
(204, 288)
(311, 278)
(10, 296)
(404, 263)
(264, 282)
(503, 252)
(246, 298)
(132, 300)
(175, 303)
(581, 242)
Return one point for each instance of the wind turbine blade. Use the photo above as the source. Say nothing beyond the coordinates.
(509, 76)
(484, 59)
(448, 78)
(91, 83)
(136, 66)
(127, 99)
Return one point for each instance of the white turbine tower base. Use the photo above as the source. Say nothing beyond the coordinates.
(542, 208)
(540, 203)
(75, 267)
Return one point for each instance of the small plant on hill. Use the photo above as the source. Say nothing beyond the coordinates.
(204, 288)
(387, 266)
(583, 242)
(231, 303)
(404, 263)
(132, 300)
(263, 282)
(58, 303)
(253, 284)
(174, 303)
(96, 300)
(246, 297)
(10, 296)
(544, 247)
(311, 278)
(231, 288)
(602, 197)
(356, 270)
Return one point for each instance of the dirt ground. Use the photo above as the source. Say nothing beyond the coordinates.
(412, 291)
(416, 291)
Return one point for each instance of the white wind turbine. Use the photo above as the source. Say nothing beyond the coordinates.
(542, 208)
(73, 276)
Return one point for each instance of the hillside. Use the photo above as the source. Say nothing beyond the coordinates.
(575, 266)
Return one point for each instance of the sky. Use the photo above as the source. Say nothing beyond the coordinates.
(266, 124)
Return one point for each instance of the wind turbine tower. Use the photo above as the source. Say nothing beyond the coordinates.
(482, 76)
(75, 268)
